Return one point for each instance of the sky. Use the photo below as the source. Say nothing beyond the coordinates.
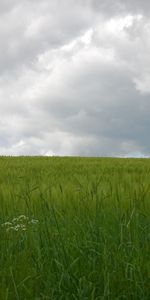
(75, 77)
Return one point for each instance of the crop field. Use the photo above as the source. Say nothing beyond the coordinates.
(74, 228)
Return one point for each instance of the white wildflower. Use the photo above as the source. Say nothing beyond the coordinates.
(20, 227)
(14, 220)
(17, 227)
(19, 223)
(33, 221)
(11, 229)
(23, 218)
(6, 224)
(24, 228)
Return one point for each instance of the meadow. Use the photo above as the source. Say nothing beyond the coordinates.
(74, 228)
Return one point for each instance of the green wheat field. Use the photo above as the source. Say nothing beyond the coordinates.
(74, 228)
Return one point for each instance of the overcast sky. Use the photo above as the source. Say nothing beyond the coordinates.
(75, 77)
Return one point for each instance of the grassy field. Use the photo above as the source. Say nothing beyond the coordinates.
(74, 228)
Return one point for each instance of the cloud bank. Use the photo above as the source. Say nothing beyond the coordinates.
(74, 77)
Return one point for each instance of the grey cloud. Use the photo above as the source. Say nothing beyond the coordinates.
(111, 7)
(28, 28)
(110, 107)
(74, 77)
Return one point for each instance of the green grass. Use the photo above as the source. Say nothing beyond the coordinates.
(91, 239)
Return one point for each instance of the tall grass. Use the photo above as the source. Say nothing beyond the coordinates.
(85, 229)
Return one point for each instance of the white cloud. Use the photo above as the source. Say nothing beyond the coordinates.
(143, 84)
